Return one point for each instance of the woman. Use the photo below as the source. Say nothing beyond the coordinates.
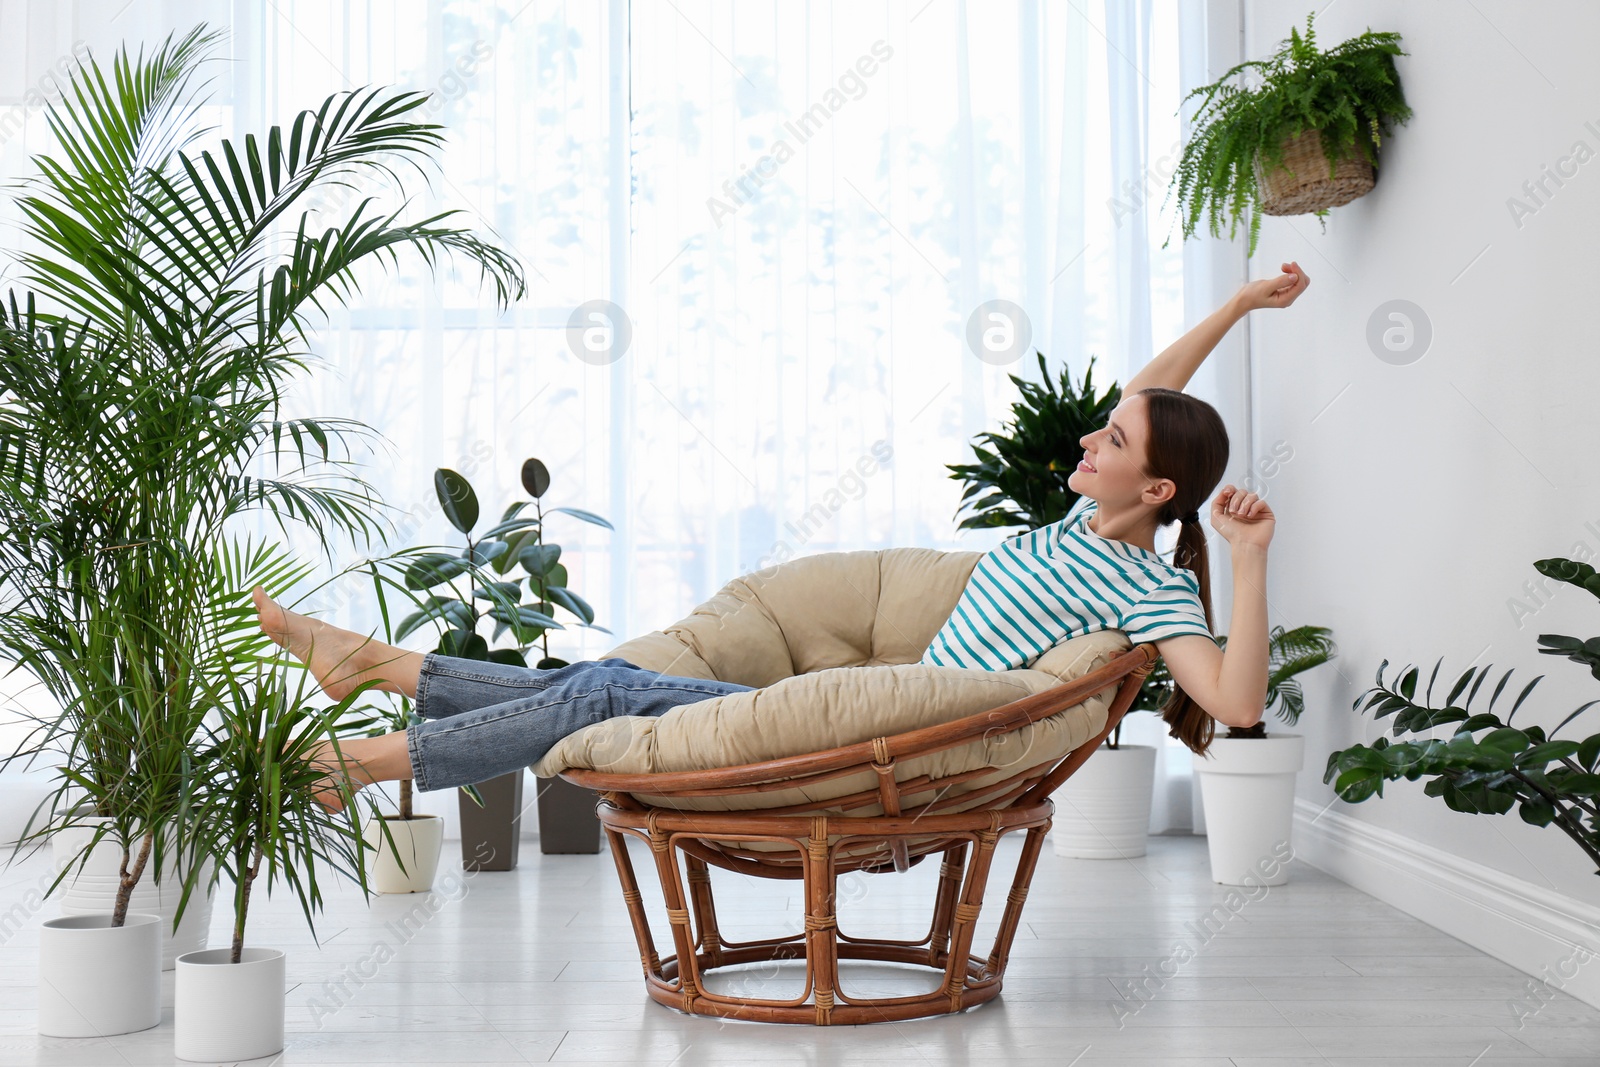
(1157, 459)
(1155, 462)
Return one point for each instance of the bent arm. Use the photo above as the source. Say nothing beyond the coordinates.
(1230, 684)
(1177, 363)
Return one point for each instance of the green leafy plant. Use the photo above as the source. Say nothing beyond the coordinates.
(1021, 478)
(140, 388)
(1351, 93)
(447, 587)
(1289, 653)
(256, 812)
(1547, 780)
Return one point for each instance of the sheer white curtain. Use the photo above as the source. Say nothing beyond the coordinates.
(795, 211)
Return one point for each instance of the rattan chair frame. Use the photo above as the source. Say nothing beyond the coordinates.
(903, 835)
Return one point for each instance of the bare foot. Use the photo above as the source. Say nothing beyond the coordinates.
(360, 761)
(337, 658)
(329, 789)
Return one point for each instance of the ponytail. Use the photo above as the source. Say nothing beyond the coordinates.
(1188, 443)
(1187, 720)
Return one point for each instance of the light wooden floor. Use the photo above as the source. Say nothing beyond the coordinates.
(1113, 966)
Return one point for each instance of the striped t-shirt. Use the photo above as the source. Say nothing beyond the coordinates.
(1064, 580)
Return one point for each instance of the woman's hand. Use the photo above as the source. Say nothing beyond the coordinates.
(1276, 292)
(1243, 519)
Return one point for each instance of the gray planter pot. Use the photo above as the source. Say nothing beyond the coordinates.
(490, 834)
(567, 819)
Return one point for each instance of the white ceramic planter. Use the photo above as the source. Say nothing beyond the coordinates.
(97, 979)
(1103, 810)
(229, 1011)
(93, 890)
(417, 840)
(1248, 786)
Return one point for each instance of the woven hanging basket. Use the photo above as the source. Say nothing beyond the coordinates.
(1302, 184)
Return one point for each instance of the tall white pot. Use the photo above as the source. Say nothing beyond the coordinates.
(418, 841)
(93, 890)
(1248, 789)
(96, 979)
(229, 1011)
(1103, 810)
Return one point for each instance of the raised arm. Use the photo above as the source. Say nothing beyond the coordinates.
(1231, 683)
(1178, 361)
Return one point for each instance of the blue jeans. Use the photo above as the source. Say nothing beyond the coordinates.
(483, 719)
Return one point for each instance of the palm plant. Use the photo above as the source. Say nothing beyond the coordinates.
(141, 396)
(210, 258)
(1289, 653)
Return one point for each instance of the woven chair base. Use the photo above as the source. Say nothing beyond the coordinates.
(1304, 185)
(966, 980)
(817, 846)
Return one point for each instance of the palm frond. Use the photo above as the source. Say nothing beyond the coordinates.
(1292, 652)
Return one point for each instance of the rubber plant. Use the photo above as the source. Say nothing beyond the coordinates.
(1350, 92)
(1486, 766)
(461, 589)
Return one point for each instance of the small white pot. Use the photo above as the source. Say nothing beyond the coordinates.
(97, 979)
(1103, 810)
(229, 1011)
(1248, 786)
(93, 889)
(417, 840)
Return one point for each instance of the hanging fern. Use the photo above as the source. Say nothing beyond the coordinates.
(1350, 92)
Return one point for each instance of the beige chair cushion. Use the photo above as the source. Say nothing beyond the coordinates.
(832, 641)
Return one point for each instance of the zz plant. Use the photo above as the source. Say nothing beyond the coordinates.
(481, 582)
(1351, 93)
(1487, 766)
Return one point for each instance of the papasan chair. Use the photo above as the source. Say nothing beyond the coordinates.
(850, 756)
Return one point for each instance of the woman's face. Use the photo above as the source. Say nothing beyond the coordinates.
(1112, 467)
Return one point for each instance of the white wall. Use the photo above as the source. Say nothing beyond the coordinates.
(1418, 496)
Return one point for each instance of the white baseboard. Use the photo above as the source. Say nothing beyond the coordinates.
(1551, 937)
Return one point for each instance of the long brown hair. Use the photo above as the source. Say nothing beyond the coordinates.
(1187, 443)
